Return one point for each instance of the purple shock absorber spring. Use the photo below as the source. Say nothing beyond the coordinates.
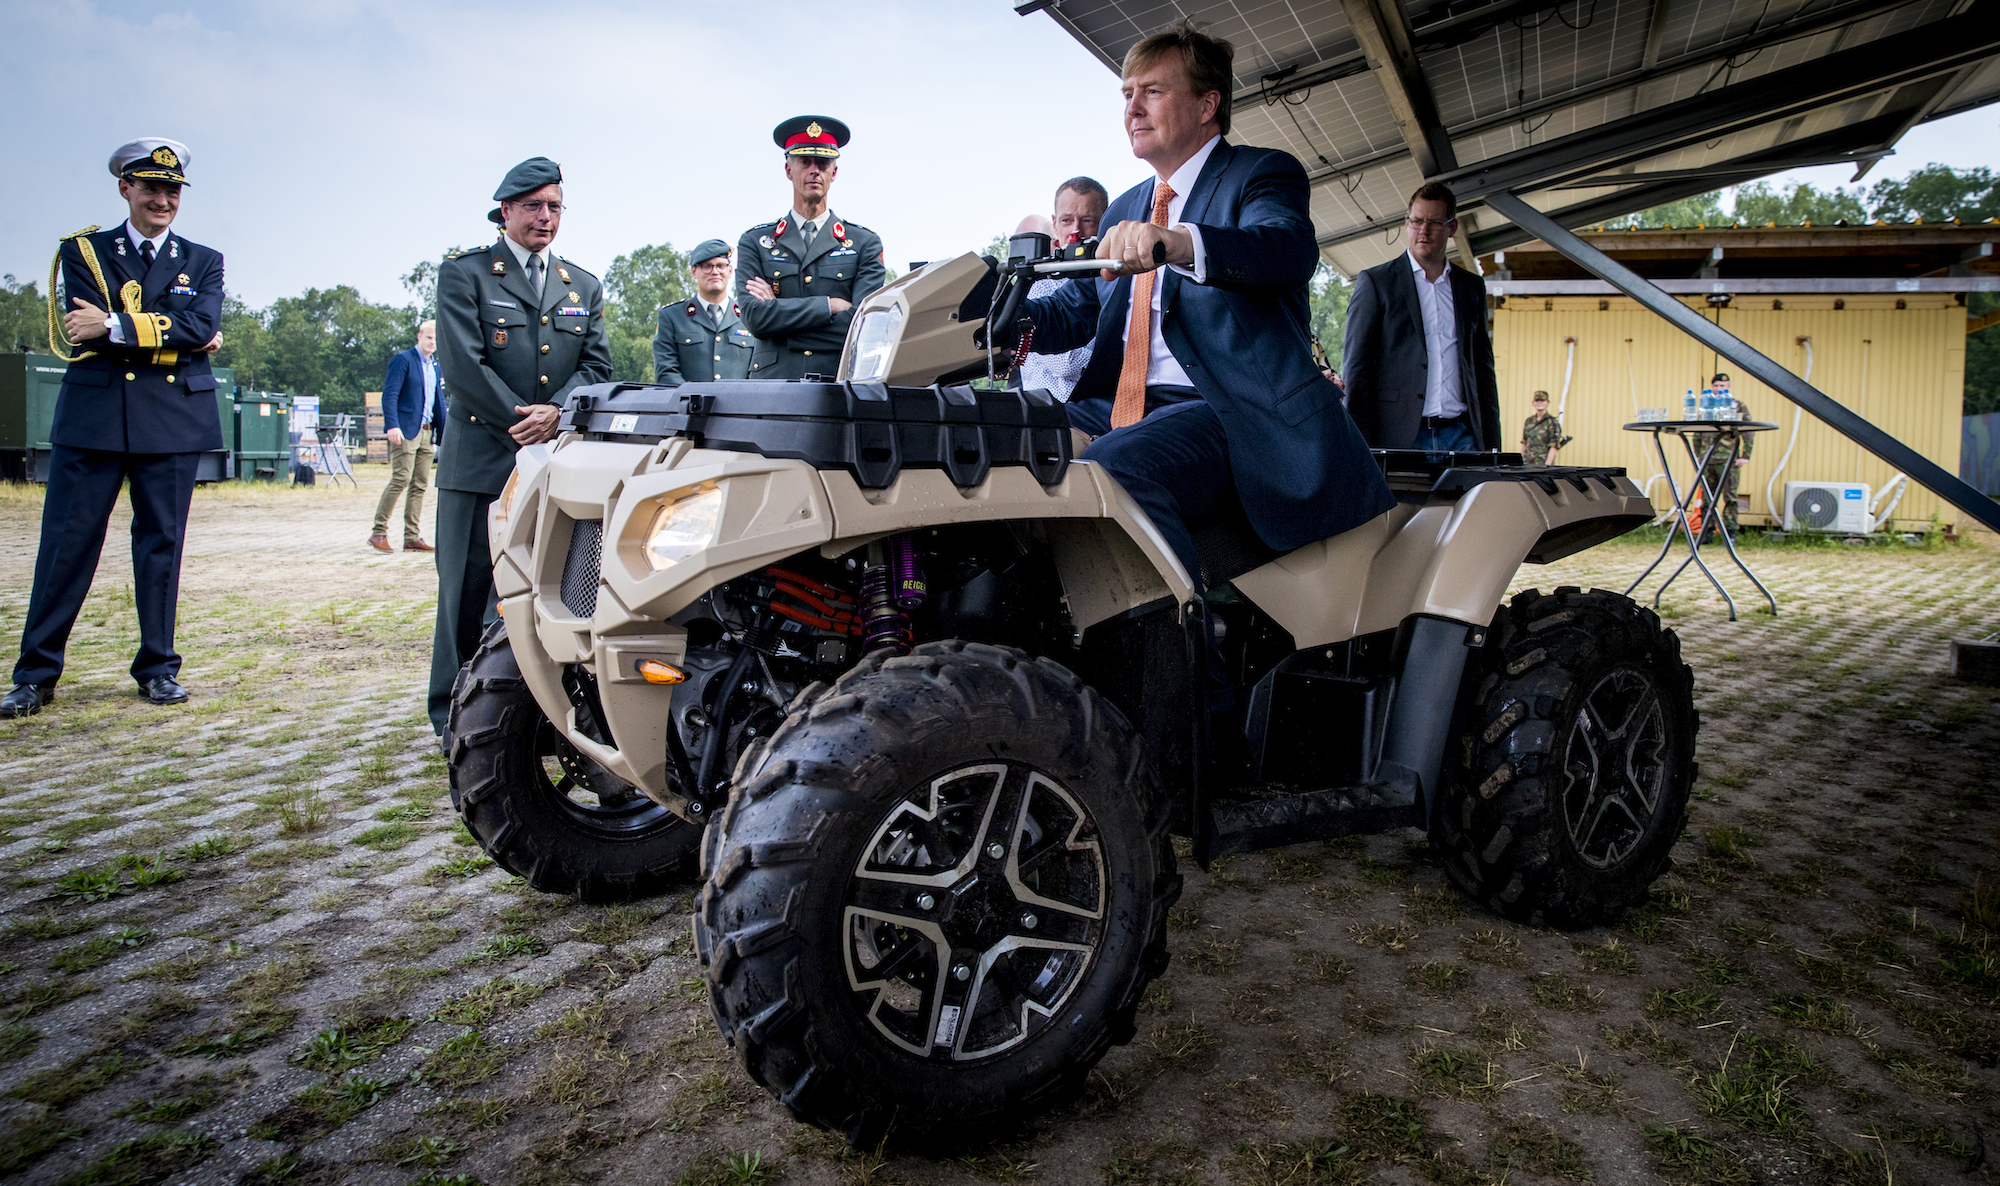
(883, 626)
(906, 573)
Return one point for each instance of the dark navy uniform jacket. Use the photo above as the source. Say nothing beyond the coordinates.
(1301, 469)
(689, 348)
(797, 332)
(120, 400)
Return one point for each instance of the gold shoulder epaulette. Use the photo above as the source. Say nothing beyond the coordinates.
(89, 230)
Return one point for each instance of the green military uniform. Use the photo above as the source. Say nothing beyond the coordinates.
(690, 346)
(1721, 468)
(499, 344)
(797, 332)
(1540, 436)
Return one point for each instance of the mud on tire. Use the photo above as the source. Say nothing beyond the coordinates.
(1570, 784)
(936, 896)
(542, 810)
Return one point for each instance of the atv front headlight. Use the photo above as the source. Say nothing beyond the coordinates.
(874, 342)
(685, 525)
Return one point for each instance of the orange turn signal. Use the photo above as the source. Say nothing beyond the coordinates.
(655, 672)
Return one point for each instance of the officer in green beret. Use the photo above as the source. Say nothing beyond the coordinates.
(703, 338)
(797, 279)
(518, 328)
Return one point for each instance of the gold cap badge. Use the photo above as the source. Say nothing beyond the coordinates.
(165, 158)
(812, 129)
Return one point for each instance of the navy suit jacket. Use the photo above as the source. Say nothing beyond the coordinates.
(1301, 469)
(119, 401)
(403, 396)
(1387, 356)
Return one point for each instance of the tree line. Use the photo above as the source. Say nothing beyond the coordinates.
(334, 343)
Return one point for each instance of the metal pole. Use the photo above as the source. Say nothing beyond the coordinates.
(1921, 469)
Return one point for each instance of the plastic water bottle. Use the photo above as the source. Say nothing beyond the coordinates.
(1689, 410)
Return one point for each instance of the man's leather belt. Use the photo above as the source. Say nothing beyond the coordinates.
(1430, 422)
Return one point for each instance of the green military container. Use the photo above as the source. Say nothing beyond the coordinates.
(220, 465)
(29, 384)
(263, 435)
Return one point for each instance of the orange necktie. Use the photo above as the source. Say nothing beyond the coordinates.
(1130, 403)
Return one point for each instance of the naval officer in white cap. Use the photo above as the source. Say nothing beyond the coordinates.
(141, 316)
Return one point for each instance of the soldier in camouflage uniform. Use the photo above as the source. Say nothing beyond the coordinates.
(1720, 470)
(519, 328)
(1542, 435)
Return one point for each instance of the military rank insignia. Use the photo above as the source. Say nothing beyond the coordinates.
(174, 248)
(562, 274)
(121, 245)
(499, 337)
(499, 267)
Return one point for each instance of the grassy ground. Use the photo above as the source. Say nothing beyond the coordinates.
(244, 940)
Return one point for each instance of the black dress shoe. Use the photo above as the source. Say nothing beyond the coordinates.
(162, 689)
(26, 699)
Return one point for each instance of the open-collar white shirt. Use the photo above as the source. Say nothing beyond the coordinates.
(1162, 366)
(1442, 397)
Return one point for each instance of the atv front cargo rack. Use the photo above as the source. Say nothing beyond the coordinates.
(869, 429)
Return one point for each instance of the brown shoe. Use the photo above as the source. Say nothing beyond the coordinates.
(380, 543)
(417, 545)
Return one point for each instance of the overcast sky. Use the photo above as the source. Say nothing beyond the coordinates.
(341, 142)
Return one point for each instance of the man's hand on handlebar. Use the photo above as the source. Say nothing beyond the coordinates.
(1141, 247)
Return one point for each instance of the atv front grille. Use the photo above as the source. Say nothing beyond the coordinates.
(579, 579)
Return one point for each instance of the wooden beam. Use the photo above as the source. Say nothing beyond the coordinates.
(1384, 34)
(1974, 324)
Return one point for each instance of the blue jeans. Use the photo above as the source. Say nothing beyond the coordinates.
(1452, 438)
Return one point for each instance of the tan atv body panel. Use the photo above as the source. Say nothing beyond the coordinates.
(1453, 560)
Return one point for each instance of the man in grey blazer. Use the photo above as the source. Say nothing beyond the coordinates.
(1418, 363)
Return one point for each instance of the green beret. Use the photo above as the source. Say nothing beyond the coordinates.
(707, 250)
(525, 178)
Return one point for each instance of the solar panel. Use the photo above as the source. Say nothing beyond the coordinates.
(1588, 109)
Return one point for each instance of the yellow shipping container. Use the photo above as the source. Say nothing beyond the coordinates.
(1897, 361)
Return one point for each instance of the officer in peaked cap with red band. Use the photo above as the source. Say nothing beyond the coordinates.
(137, 407)
(702, 338)
(798, 279)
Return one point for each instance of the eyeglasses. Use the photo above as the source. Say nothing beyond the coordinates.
(1432, 224)
(534, 208)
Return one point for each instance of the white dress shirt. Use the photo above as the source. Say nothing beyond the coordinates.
(1163, 367)
(430, 387)
(159, 243)
(1441, 393)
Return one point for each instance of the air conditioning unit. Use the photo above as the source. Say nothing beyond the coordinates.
(1840, 507)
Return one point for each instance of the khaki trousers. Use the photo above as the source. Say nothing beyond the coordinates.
(409, 466)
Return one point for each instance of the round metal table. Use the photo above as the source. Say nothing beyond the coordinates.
(1726, 436)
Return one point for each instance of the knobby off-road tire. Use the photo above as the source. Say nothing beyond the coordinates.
(936, 896)
(1571, 783)
(542, 810)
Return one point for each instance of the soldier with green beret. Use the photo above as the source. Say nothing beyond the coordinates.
(518, 328)
(798, 279)
(703, 338)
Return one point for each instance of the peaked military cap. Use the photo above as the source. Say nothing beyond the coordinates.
(524, 178)
(707, 250)
(151, 158)
(811, 135)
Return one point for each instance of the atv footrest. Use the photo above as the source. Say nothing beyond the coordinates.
(1264, 817)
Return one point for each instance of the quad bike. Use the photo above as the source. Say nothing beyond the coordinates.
(927, 693)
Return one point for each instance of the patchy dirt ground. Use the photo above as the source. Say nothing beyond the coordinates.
(244, 940)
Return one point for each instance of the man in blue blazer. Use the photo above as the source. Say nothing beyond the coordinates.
(137, 405)
(1220, 400)
(413, 420)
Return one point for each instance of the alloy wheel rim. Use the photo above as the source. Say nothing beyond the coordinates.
(589, 794)
(975, 912)
(1615, 768)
